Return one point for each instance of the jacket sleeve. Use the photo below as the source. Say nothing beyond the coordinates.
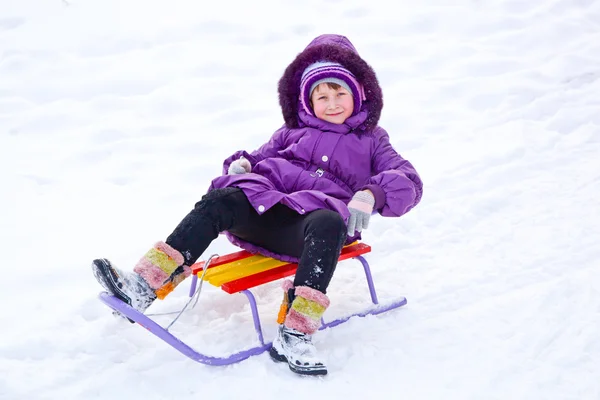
(395, 183)
(269, 149)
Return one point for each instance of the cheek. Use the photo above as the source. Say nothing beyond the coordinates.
(349, 102)
(319, 109)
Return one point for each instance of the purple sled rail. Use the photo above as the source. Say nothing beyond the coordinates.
(188, 351)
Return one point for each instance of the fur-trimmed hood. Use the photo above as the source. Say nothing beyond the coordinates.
(334, 48)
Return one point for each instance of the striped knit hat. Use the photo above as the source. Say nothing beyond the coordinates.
(323, 72)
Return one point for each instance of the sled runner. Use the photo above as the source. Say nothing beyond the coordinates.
(238, 273)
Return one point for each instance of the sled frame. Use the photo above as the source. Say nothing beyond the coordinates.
(163, 333)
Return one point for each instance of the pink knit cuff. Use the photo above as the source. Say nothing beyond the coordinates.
(287, 285)
(360, 206)
(301, 322)
(313, 294)
(171, 252)
(151, 273)
(379, 195)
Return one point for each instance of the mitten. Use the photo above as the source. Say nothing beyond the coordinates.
(239, 166)
(360, 207)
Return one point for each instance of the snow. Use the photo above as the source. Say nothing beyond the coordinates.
(114, 117)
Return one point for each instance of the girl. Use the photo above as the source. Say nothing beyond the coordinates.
(299, 198)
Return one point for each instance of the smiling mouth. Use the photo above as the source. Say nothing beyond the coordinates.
(333, 115)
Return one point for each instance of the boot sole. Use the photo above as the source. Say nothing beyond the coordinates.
(103, 272)
(298, 369)
(275, 356)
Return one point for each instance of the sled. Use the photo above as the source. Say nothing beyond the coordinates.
(238, 273)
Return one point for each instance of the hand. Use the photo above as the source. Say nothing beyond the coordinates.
(239, 166)
(360, 207)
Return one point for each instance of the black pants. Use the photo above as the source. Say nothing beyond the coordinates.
(316, 238)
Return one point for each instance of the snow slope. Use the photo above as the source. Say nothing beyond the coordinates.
(114, 117)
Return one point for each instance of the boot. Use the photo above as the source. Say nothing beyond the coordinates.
(129, 287)
(154, 276)
(303, 308)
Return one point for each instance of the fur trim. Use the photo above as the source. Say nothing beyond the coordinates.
(301, 323)
(312, 294)
(161, 260)
(174, 281)
(151, 273)
(334, 48)
(171, 252)
(283, 308)
(287, 285)
(310, 308)
(164, 290)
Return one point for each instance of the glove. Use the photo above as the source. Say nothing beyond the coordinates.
(239, 166)
(360, 207)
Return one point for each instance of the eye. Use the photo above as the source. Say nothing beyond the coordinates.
(342, 93)
(321, 97)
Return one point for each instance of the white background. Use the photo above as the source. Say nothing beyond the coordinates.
(115, 116)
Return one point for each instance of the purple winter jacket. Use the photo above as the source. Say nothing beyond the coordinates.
(310, 164)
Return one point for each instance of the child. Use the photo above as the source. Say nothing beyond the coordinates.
(299, 198)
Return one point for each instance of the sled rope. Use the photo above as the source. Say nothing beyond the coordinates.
(193, 298)
(238, 273)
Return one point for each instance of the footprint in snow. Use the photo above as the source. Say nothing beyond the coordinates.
(10, 23)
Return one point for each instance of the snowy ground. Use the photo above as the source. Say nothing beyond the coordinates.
(115, 115)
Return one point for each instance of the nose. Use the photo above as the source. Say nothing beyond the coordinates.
(332, 104)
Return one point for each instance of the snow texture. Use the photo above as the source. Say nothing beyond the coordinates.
(115, 116)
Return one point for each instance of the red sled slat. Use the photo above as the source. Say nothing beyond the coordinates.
(258, 279)
(285, 270)
(353, 251)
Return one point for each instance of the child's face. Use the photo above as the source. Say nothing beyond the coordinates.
(332, 105)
